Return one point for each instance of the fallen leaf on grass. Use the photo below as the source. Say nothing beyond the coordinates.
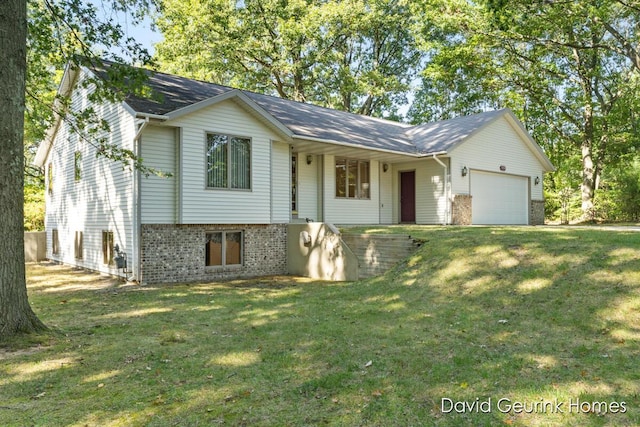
(100, 385)
(377, 393)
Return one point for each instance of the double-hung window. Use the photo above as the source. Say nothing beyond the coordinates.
(352, 179)
(228, 162)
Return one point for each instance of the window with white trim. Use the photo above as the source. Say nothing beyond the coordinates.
(228, 162)
(353, 179)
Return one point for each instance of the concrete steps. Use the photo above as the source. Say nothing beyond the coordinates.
(377, 253)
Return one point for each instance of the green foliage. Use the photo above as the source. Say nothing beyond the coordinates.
(568, 69)
(33, 207)
(354, 55)
(75, 33)
(621, 199)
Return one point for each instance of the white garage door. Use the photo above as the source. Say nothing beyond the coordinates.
(499, 198)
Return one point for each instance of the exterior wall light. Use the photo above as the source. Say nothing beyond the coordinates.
(309, 159)
(465, 171)
(537, 180)
(385, 167)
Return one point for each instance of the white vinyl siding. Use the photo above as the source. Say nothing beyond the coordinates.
(280, 182)
(431, 202)
(350, 211)
(158, 193)
(101, 200)
(202, 205)
(499, 144)
(308, 184)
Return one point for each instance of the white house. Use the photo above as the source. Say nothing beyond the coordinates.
(245, 165)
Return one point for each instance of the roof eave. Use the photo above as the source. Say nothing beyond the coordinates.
(69, 78)
(357, 146)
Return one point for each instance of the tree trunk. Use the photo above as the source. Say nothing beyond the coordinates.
(16, 315)
(588, 170)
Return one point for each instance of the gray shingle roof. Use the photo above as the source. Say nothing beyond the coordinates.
(311, 121)
(444, 135)
(172, 93)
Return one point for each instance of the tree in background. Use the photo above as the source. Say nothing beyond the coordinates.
(566, 68)
(352, 55)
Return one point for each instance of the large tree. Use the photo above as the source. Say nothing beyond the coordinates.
(37, 38)
(354, 55)
(15, 312)
(558, 64)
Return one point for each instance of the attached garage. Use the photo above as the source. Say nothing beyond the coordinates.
(499, 198)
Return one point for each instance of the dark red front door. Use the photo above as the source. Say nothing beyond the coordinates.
(408, 196)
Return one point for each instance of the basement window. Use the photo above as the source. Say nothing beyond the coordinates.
(224, 248)
(107, 247)
(78, 245)
(55, 242)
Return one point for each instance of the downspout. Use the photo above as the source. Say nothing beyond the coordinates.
(137, 214)
(445, 190)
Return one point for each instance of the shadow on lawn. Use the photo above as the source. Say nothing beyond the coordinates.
(529, 316)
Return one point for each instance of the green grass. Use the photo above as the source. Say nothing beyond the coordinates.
(544, 315)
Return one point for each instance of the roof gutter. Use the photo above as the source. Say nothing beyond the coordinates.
(445, 190)
(149, 116)
(137, 205)
(141, 128)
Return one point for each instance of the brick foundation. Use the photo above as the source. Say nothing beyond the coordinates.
(176, 253)
(536, 216)
(461, 209)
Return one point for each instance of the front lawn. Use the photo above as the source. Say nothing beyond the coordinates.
(513, 326)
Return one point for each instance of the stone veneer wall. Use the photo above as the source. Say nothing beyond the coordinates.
(461, 209)
(176, 253)
(537, 212)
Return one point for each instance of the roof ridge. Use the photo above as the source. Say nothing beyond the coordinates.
(253, 92)
(379, 119)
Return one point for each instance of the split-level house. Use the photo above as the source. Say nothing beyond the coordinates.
(244, 166)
